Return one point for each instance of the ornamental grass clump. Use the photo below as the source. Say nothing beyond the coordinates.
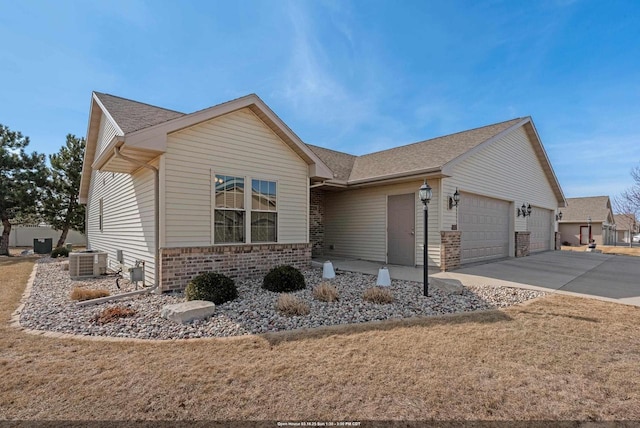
(325, 292)
(290, 305)
(283, 279)
(81, 294)
(112, 314)
(378, 295)
(212, 286)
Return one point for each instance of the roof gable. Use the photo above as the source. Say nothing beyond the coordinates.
(578, 210)
(340, 163)
(431, 156)
(143, 129)
(425, 155)
(625, 221)
(131, 116)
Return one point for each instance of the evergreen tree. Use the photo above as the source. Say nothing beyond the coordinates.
(61, 208)
(22, 176)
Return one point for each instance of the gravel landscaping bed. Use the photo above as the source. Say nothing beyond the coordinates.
(50, 308)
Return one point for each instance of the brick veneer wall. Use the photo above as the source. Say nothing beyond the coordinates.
(450, 250)
(316, 221)
(179, 265)
(558, 241)
(522, 243)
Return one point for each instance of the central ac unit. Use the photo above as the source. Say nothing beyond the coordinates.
(87, 264)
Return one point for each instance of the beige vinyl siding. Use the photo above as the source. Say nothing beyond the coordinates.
(105, 134)
(506, 169)
(237, 144)
(128, 224)
(356, 222)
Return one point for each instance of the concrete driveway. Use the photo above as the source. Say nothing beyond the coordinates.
(603, 276)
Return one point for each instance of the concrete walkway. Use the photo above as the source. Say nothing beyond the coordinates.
(403, 273)
(602, 276)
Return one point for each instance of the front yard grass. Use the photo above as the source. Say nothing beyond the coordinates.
(624, 250)
(559, 357)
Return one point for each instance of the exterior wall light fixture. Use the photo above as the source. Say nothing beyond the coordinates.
(454, 200)
(524, 210)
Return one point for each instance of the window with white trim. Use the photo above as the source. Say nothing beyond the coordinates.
(264, 213)
(229, 215)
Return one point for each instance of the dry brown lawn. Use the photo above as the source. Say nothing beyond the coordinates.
(609, 249)
(558, 358)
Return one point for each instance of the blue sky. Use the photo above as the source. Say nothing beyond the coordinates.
(355, 76)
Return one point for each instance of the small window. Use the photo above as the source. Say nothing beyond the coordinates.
(229, 216)
(264, 215)
(100, 215)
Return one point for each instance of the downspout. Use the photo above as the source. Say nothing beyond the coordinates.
(156, 185)
(156, 209)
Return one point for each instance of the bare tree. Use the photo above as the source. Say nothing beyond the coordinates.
(628, 202)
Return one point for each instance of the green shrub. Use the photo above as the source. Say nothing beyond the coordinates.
(283, 279)
(211, 286)
(59, 252)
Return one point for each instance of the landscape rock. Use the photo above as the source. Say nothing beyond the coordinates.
(447, 286)
(186, 312)
(49, 307)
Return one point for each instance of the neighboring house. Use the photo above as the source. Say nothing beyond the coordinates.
(232, 189)
(587, 218)
(626, 226)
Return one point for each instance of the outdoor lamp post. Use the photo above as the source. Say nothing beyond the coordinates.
(425, 196)
(615, 235)
(589, 224)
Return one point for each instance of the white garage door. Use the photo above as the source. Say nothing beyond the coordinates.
(540, 227)
(484, 223)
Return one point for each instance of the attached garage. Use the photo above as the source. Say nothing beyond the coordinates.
(372, 211)
(540, 225)
(484, 223)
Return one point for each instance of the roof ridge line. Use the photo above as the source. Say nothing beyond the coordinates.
(140, 102)
(443, 136)
(332, 150)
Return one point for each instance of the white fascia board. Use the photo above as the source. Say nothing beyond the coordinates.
(106, 113)
(562, 202)
(107, 153)
(435, 172)
(155, 133)
(155, 137)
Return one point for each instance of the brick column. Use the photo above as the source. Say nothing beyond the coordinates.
(450, 249)
(522, 243)
(316, 221)
(558, 241)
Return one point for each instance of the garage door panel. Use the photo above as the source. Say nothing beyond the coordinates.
(485, 228)
(540, 228)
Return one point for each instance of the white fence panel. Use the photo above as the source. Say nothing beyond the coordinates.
(23, 236)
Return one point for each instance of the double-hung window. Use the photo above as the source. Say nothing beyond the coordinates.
(230, 212)
(229, 217)
(264, 213)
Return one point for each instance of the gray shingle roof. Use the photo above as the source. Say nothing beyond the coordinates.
(625, 221)
(338, 162)
(423, 155)
(132, 115)
(578, 210)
